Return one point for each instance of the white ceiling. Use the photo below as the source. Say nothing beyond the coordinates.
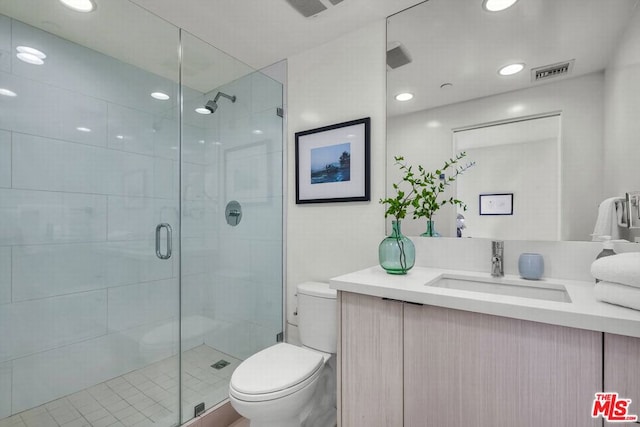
(456, 41)
(262, 32)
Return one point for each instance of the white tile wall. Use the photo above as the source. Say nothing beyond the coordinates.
(42, 271)
(52, 112)
(194, 142)
(5, 43)
(49, 164)
(32, 326)
(5, 159)
(142, 303)
(197, 255)
(134, 218)
(193, 181)
(266, 93)
(5, 275)
(132, 130)
(165, 178)
(51, 270)
(33, 217)
(136, 262)
(5, 389)
(5, 59)
(193, 289)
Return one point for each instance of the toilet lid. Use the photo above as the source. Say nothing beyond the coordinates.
(275, 368)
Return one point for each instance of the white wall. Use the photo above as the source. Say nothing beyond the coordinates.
(425, 137)
(533, 183)
(336, 82)
(622, 127)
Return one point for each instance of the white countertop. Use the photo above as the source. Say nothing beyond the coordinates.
(583, 312)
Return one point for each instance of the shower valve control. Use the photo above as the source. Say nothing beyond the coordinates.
(233, 213)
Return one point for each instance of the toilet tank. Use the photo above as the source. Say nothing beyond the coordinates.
(317, 317)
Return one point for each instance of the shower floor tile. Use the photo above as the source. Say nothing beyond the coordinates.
(145, 397)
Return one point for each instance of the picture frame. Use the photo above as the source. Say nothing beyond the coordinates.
(496, 204)
(332, 163)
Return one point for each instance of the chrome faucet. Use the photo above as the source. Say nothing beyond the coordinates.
(497, 258)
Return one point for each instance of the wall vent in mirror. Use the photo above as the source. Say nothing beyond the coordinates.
(397, 56)
(550, 71)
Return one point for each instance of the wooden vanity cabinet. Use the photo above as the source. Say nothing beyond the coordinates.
(402, 364)
(370, 361)
(469, 369)
(622, 369)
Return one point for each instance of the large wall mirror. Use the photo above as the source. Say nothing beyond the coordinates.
(560, 136)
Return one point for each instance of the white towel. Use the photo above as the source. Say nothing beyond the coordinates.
(607, 222)
(621, 268)
(614, 293)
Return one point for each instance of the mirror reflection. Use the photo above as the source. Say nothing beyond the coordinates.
(558, 135)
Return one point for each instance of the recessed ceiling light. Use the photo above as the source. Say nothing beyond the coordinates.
(217, 143)
(405, 96)
(497, 5)
(257, 132)
(119, 136)
(7, 92)
(83, 129)
(201, 141)
(160, 95)
(30, 55)
(510, 69)
(80, 5)
(202, 110)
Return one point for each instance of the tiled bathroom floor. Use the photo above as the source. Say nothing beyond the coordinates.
(145, 397)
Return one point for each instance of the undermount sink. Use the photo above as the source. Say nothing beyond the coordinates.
(501, 286)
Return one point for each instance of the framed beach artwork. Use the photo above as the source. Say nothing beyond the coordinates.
(332, 163)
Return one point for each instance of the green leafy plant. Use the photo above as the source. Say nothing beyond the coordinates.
(430, 185)
(419, 190)
(398, 205)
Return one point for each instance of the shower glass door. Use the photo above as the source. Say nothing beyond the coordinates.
(89, 150)
(140, 240)
(232, 152)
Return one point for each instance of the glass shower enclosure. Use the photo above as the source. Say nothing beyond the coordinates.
(140, 231)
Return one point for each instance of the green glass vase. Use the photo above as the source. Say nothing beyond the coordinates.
(396, 252)
(431, 230)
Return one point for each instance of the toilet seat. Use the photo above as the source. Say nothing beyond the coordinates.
(275, 372)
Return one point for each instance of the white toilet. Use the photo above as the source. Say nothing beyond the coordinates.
(290, 386)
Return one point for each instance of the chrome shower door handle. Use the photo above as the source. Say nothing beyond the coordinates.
(159, 253)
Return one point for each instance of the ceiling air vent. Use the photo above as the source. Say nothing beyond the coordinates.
(550, 71)
(309, 8)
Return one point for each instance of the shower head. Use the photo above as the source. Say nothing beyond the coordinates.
(212, 104)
